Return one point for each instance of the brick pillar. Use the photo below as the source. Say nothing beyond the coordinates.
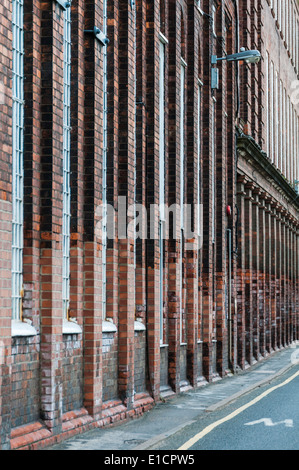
(93, 156)
(287, 279)
(77, 161)
(141, 137)
(262, 274)
(221, 247)
(283, 308)
(32, 161)
(192, 191)
(269, 265)
(126, 191)
(51, 214)
(241, 344)
(112, 153)
(255, 274)
(174, 194)
(273, 278)
(293, 283)
(208, 250)
(152, 193)
(291, 280)
(297, 280)
(278, 276)
(231, 178)
(248, 274)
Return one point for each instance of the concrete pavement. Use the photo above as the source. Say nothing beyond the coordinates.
(173, 415)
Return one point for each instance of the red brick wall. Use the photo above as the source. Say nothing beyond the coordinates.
(99, 378)
(5, 221)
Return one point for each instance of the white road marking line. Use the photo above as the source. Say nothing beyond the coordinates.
(214, 425)
(289, 423)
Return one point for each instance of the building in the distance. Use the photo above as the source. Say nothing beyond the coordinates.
(112, 109)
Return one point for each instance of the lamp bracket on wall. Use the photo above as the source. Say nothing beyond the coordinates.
(99, 35)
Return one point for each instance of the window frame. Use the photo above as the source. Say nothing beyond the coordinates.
(162, 53)
(17, 157)
(66, 187)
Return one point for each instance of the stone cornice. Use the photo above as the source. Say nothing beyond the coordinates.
(252, 153)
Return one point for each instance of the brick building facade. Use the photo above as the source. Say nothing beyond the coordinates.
(96, 329)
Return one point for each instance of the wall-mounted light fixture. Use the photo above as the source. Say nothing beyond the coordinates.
(251, 57)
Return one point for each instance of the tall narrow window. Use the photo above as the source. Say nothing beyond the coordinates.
(276, 121)
(104, 170)
(199, 212)
(292, 143)
(199, 156)
(297, 47)
(267, 105)
(182, 187)
(66, 161)
(289, 139)
(287, 23)
(214, 12)
(295, 156)
(17, 155)
(161, 175)
(213, 162)
(282, 24)
(272, 104)
(281, 126)
(285, 123)
(279, 13)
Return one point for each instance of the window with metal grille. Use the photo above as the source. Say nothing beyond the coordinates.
(213, 170)
(280, 166)
(66, 161)
(161, 175)
(182, 187)
(104, 172)
(17, 156)
(272, 106)
(267, 104)
(199, 92)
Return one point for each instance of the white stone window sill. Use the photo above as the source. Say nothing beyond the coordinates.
(108, 327)
(71, 328)
(22, 328)
(139, 326)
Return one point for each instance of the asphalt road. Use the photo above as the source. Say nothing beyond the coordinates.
(265, 419)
